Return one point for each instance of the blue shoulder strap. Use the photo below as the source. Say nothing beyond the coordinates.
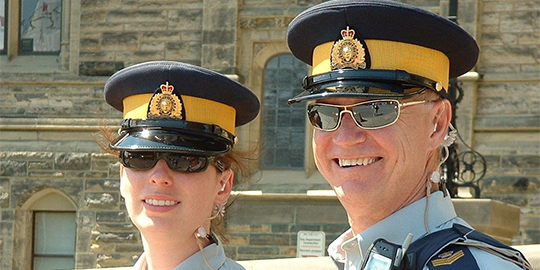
(439, 247)
(440, 243)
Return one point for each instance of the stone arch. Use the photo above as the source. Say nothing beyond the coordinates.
(260, 58)
(49, 199)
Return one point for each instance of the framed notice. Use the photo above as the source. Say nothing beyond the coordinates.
(310, 244)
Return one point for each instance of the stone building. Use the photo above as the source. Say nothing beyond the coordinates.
(53, 174)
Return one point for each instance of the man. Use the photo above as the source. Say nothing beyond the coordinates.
(377, 100)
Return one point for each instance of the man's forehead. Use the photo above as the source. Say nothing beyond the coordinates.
(343, 100)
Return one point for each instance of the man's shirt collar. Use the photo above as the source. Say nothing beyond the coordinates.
(350, 249)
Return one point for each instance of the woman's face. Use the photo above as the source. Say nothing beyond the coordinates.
(162, 200)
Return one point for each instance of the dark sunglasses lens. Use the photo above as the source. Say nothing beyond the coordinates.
(323, 117)
(376, 114)
(176, 162)
(139, 160)
(182, 163)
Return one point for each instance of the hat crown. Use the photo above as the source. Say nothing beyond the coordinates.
(177, 107)
(382, 20)
(347, 33)
(166, 88)
(405, 49)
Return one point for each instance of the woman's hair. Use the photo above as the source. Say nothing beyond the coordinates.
(235, 160)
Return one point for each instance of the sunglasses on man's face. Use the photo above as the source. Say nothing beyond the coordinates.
(373, 114)
(177, 162)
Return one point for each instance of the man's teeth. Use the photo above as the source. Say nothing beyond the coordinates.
(160, 202)
(355, 162)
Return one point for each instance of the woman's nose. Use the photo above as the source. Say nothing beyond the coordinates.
(161, 174)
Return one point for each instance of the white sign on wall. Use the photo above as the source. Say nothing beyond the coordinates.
(310, 244)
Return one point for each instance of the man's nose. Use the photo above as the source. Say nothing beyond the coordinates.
(348, 132)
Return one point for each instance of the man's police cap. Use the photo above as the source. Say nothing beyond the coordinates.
(378, 49)
(177, 107)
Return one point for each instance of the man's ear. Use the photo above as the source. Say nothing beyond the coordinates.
(441, 120)
(226, 180)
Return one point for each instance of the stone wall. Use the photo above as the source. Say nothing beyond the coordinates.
(266, 226)
(48, 117)
(117, 34)
(507, 122)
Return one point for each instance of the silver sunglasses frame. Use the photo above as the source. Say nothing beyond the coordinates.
(345, 109)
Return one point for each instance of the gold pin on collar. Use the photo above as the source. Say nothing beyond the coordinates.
(348, 52)
(165, 104)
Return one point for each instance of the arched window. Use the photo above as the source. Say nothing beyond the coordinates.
(50, 227)
(283, 126)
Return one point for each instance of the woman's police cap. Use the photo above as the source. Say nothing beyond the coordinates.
(177, 107)
(378, 49)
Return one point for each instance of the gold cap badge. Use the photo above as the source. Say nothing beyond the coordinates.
(165, 104)
(348, 52)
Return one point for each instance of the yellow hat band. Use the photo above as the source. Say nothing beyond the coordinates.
(196, 110)
(392, 55)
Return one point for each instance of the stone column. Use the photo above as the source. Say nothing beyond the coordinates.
(219, 35)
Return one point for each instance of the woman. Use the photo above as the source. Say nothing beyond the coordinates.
(177, 166)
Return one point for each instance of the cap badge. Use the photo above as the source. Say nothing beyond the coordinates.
(165, 104)
(348, 52)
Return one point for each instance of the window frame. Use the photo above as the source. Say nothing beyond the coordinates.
(34, 234)
(265, 166)
(3, 51)
(44, 199)
(19, 41)
(64, 61)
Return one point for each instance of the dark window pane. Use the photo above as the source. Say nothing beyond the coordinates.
(41, 24)
(283, 126)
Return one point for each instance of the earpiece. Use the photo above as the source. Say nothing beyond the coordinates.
(435, 177)
(223, 187)
(451, 136)
(201, 233)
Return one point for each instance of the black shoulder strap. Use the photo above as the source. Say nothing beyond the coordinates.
(430, 245)
(421, 250)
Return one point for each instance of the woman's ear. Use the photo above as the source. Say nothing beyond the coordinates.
(122, 171)
(226, 179)
(441, 120)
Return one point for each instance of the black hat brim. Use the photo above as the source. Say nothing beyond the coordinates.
(170, 141)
